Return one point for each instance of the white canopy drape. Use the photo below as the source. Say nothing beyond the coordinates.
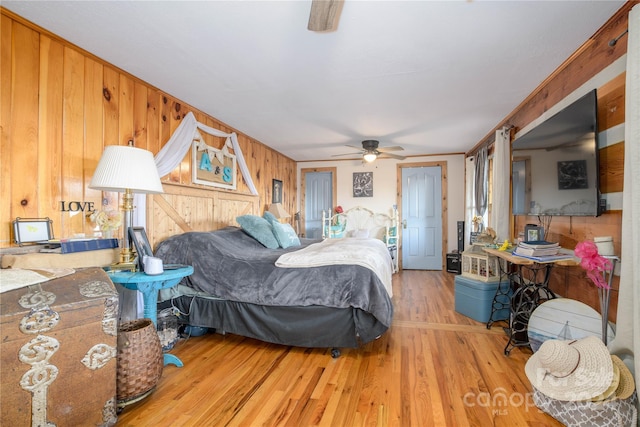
(627, 341)
(170, 156)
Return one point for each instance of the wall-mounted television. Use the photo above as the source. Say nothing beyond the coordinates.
(555, 167)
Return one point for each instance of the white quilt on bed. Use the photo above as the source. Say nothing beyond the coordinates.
(370, 253)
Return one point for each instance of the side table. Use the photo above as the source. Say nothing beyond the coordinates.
(526, 287)
(149, 286)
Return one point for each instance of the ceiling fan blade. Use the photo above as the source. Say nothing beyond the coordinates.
(354, 147)
(324, 15)
(394, 148)
(390, 155)
(347, 154)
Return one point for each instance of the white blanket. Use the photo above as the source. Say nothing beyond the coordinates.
(370, 253)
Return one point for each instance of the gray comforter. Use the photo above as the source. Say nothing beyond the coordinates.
(231, 265)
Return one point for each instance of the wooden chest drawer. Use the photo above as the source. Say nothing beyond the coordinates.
(58, 352)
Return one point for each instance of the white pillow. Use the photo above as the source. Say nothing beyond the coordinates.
(362, 233)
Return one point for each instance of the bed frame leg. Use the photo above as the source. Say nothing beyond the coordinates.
(335, 353)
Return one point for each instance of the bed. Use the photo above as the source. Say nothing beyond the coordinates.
(338, 295)
(362, 222)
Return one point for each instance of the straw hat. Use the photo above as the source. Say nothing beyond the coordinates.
(626, 386)
(613, 387)
(571, 370)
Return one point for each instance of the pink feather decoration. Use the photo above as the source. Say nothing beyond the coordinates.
(594, 263)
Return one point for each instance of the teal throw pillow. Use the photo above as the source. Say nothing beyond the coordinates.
(285, 234)
(260, 229)
(270, 217)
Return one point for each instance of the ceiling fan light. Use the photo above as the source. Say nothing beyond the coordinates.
(370, 157)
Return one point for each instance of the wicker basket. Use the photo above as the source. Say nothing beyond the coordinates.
(140, 360)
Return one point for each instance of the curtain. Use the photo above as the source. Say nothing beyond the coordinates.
(469, 197)
(627, 341)
(481, 181)
(500, 214)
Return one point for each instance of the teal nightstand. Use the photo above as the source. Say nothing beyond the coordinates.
(149, 286)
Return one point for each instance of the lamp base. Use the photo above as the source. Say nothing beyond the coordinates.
(122, 266)
(127, 261)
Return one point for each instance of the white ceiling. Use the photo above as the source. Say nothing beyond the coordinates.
(432, 76)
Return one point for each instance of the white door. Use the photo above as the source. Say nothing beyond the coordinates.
(422, 218)
(318, 197)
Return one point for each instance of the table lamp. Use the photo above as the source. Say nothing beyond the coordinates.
(278, 211)
(128, 170)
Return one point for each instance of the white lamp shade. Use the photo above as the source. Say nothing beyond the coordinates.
(278, 211)
(122, 167)
(370, 157)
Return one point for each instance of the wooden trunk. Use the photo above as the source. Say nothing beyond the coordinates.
(58, 352)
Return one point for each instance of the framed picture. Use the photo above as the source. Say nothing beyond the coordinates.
(213, 167)
(363, 184)
(276, 191)
(572, 175)
(138, 236)
(32, 230)
(533, 233)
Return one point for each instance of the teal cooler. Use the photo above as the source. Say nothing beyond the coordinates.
(474, 298)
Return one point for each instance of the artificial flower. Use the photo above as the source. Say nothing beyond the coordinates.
(594, 263)
(336, 218)
(107, 220)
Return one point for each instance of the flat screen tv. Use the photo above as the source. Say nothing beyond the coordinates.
(555, 165)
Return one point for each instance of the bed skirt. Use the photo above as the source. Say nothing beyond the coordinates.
(309, 326)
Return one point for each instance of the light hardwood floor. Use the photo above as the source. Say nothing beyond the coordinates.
(433, 367)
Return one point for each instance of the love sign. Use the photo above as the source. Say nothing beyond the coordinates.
(74, 206)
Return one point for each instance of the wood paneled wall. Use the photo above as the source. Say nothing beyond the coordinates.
(590, 59)
(60, 106)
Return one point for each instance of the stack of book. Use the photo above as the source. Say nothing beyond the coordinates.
(537, 249)
(541, 251)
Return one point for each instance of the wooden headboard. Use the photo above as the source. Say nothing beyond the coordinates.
(181, 209)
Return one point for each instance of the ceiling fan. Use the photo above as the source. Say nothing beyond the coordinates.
(324, 15)
(370, 151)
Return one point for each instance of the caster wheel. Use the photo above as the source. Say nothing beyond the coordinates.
(335, 353)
